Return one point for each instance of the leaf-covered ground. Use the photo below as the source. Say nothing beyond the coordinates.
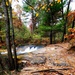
(53, 59)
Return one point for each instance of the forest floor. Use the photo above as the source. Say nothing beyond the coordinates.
(53, 59)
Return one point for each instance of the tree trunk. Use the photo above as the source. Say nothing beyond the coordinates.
(33, 25)
(62, 11)
(50, 36)
(50, 18)
(0, 36)
(13, 38)
(73, 24)
(64, 31)
(33, 21)
(8, 34)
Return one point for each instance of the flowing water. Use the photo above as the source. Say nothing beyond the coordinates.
(25, 49)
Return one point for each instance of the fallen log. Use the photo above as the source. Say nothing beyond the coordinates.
(52, 70)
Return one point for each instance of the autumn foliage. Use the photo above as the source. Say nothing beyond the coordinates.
(71, 34)
(71, 31)
(71, 17)
(71, 37)
(17, 23)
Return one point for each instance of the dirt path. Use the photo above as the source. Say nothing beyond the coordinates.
(52, 60)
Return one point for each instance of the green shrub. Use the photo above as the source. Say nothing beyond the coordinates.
(22, 34)
(36, 36)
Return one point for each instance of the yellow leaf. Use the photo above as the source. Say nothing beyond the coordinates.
(58, 1)
(37, 14)
(10, 1)
(43, 7)
(7, 3)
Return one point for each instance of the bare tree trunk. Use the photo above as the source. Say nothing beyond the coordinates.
(8, 34)
(13, 38)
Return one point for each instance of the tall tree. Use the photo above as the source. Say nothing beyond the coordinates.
(30, 5)
(5, 7)
(13, 37)
(49, 20)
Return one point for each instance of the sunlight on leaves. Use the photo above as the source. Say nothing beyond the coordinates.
(37, 14)
(43, 7)
(58, 1)
(10, 1)
(7, 4)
